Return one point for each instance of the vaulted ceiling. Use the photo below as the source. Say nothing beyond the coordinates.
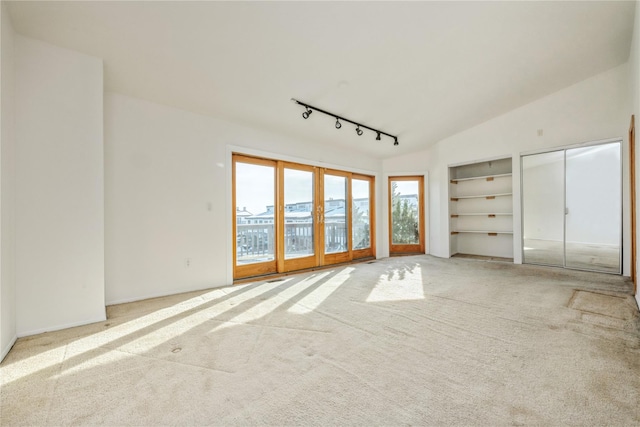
(420, 70)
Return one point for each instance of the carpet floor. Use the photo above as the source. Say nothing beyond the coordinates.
(401, 341)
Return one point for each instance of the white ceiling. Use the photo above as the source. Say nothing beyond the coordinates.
(419, 70)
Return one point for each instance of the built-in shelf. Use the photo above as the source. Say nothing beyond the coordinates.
(489, 232)
(481, 208)
(485, 177)
(490, 215)
(481, 196)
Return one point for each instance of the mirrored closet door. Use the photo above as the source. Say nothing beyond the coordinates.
(572, 208)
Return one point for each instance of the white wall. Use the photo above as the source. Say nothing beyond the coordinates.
(7, 192)
(59, 187)
(594, 109)
(168, 194)
(634, 85)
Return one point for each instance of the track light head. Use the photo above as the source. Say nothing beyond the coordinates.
(310, 109)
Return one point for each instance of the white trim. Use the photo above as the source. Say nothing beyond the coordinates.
(163, 294)
(567, 147)
(8, 348)
(64, 326)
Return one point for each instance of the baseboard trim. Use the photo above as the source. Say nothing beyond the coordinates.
(8, 348)
(64, 326)
(164, 294)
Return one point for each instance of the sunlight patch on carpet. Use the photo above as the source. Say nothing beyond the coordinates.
(400, 285)
(264, 308)
(321, 293)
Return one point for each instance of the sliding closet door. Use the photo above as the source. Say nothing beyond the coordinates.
(593, 208)
(572, 208)
(543, 208)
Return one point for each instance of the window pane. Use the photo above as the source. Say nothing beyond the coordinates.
(404, 213)
(335, 224)
(298, 215)
(360, 216)
(254, 213)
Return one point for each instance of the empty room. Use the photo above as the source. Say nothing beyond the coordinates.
(319, 213)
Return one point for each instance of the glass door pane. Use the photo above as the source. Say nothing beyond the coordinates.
(593, 208)
(255, 247)
(298, 213)
(360, 218)
(543, 208)
(335, 214)
(406, 214)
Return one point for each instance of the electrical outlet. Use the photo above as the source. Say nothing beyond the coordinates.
(187, 262)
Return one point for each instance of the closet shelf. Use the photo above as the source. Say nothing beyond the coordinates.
(487, 214)
(480, 199)
(488, 232)
(486, 177)
(481, 196)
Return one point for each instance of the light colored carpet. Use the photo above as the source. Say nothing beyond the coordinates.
(403, 341)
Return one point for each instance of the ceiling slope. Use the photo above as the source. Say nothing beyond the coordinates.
(419, 70)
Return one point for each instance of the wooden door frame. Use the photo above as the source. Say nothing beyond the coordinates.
(262, 268)
(310, 261)
(415, 248)
(632, 177)
(279, 265)
(338, 257)
(371, 250)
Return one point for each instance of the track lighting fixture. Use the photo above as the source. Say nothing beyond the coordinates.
(309, 109)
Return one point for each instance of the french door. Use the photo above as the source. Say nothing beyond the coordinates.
(290, 216)
(406, 214)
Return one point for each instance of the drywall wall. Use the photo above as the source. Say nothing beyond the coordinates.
(634, 87)
(634, 64)
(59, 187)
(594, 109)
(7, 192)
(168, 194)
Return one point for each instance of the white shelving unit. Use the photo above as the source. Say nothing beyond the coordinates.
(481, 209)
